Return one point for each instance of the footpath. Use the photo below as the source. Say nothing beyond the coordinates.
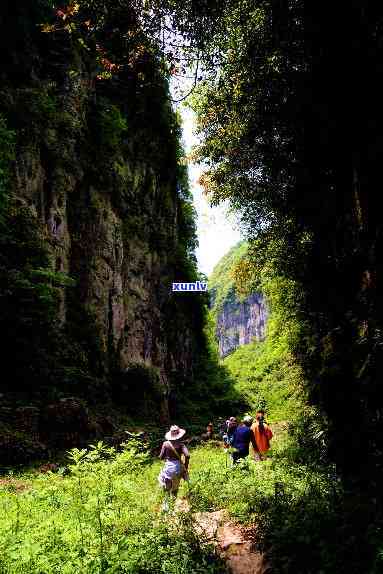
(233, 543)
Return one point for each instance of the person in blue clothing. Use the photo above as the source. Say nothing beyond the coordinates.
(230, 428)
(242, 438)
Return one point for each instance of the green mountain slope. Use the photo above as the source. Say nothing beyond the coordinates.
(221, 281)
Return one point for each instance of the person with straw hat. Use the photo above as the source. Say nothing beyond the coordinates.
(172, 451)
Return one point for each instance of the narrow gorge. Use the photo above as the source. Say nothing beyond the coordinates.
(133, 134)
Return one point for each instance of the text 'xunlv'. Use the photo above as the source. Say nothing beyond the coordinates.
(196, 286)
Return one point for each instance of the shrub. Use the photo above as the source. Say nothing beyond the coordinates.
(101, 517)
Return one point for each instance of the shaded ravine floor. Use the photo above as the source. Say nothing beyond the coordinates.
(230, 540)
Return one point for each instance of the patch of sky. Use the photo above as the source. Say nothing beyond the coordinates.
(217, 228)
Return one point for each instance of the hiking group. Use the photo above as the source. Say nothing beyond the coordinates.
(237, 436)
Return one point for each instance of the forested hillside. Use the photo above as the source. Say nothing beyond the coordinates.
(238, 319)
(265, 371)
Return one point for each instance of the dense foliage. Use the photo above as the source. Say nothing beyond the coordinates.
(289, 111)
(291, 136)
(221, 281)
(100, 513)
(273, 134)
(294, 509)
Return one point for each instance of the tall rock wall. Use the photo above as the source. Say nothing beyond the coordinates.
(239, 323)
(97, 171)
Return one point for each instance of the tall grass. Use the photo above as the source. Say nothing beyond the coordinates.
(104, 517)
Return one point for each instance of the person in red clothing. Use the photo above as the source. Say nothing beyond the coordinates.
(262, 434)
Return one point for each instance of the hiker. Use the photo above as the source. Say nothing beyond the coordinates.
(174, 469)
(209, 434)
(231, 426)
(221, 426)
(242, 438)
(262, 434)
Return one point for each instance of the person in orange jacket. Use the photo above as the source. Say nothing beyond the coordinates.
(262, 434)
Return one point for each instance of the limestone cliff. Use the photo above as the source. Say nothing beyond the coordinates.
(237, 321)
(240, 322)
(97, 174)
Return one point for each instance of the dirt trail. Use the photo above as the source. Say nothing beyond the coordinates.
(230, 540)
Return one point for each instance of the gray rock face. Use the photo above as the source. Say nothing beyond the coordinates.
(111, 219)
(240, 323)
(123, 276)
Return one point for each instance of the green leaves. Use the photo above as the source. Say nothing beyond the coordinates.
(222, 279)
(77, 455)
(112, 126)
(101, 517)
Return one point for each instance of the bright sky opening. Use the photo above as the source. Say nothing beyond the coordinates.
(217, 229)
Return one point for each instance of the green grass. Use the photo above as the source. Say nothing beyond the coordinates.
(103, 517)
(267, 376)
(250, 486)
